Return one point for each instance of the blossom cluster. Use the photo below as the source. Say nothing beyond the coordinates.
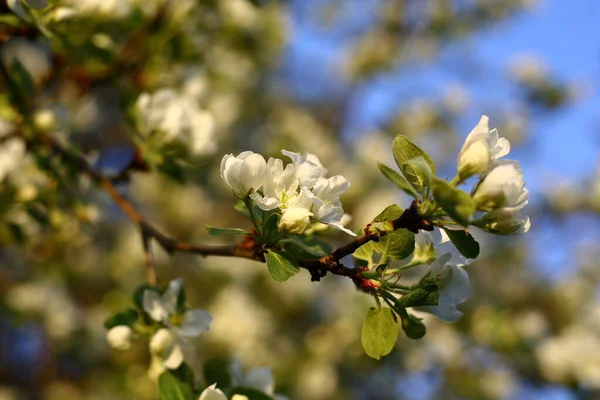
(500, 191)
(175, 328)
(300, 190)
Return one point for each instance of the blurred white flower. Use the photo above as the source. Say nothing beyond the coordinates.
(166, 344)
(243, 172)
(453, 284)
(166, 351)
(34, 57)
(163, 309)
(482, 146)
(424, 247)
(260, 378)
(120, 337)
(12, 150)
(179, 118)
(212, 393)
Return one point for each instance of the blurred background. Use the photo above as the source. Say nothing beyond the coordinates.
(337, 78)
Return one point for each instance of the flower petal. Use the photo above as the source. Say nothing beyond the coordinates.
(155, 306)
(195, 323)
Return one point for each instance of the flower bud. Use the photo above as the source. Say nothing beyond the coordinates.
(482, 146)
(504, 221)
(243, 172)
(295, 220)
(120, 337)
(473, 160)
(413, 327)
(424, 249)
(503, 186)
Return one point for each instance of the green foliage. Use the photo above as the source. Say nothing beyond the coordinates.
(419, 169)
(281, 265)
(464, 242)
(240, 207)
(403, 151)
(127, 317)
(389, 213)
(217, 371)
(457, 204)
(379, 332)
(397, 179)
(214, 231)
(305, 246)
(426, 295)
(413, 327)
(172, 388)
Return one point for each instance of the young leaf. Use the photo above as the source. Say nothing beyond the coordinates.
(404, 150)
(389, 213)
(214, 231)
(172, 388)
(397, 245)
(457, 204)
(379, 332)
(396, 178)
(464, 242)
(127, 317)
(281, 265)
(427, 295)
(365, 253)
(419, 169)
(310, 246)
(240, 207)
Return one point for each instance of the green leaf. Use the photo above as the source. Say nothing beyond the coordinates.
(214, 231)
(250, 393)
(397, 245)
(184, 373)
(281, 265)
(379, 332)
(172, 388)
(464, 242)
(365, 253)
(396, 178)
(390, 213)
(271, 234)
(217, 371)
(419, 169)
(138, 294)
(306, 246)
(22, 79)
(127, 317)
(240, 207)
(404, 150)
(427, 295)
(413, 327)
(457, 204)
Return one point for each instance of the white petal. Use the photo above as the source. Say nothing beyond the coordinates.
(252, 172)
(261, 379)
(446, 311)
(265, 203)
(339, 226)
(155, 306)
(502, 148)
(171, 294)
(212, 393)
(459, 287)
(195, 323)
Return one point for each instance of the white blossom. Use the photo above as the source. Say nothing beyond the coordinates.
(166, 352)
(243, 172)
(212, 393)
(482, 146)
(259, 378)
(308, 167)
(12, 150)
(295, 220)
(179, 118)
(453, 284)
(327, 207)
(505, 221)
(502, 187)
(167, 342)
(424, 247)
(280, 186)
(120, 337)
